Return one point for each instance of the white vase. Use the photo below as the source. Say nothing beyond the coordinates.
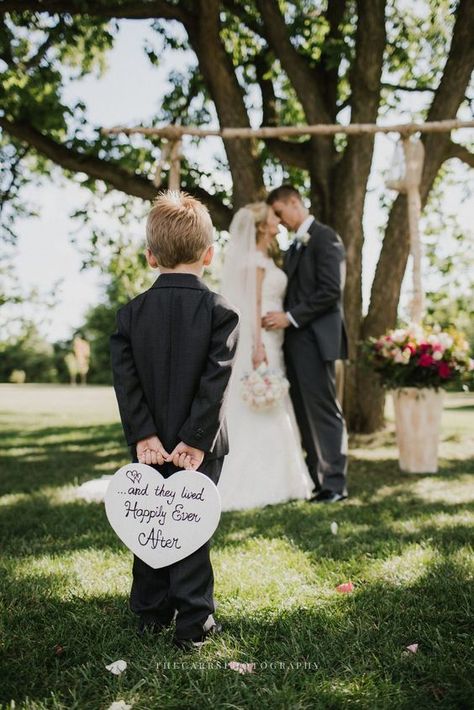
(418, 422)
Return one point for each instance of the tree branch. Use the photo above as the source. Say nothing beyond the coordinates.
(455, 150)
(236, 9)
(352, 173)
(269, 100)
(334, 15)
(417, 89)
(295, 154)
(14, 170)
(309, 87)
(399, 87)
(71, 159)
(303, 78)
(132, 9)
(396, 245)
(111, 173)
(218, 71)
(288, 152)
(43, 48)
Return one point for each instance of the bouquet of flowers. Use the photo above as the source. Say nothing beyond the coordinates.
(418, 357)
(264, 388)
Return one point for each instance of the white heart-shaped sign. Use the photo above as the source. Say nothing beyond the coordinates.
(162, 520)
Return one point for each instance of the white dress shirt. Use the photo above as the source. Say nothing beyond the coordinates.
(300, 232)
(302, 229)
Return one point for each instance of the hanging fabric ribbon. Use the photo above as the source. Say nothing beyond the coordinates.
(170, 158)
(405, 176)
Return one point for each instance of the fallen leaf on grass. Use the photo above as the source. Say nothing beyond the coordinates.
(58, 650)
(119, 705)
(413, 648)
(334, 527)
(241, 668)
(345, 588)
(117, 667)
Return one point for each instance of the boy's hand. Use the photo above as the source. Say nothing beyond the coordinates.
(151, 451)
(184, 456)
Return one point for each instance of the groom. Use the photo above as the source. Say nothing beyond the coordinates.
(315, 338)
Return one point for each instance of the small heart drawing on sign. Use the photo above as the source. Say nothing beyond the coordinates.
(134, 476)
(162, 520)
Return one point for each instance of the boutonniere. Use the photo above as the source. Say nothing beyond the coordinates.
(304, 238)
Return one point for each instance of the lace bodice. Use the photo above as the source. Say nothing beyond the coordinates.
(274, 284)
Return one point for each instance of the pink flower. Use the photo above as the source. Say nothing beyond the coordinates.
(444, 371)
(425, 360)
(345, 588)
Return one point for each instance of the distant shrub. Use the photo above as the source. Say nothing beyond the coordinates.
(17, 377)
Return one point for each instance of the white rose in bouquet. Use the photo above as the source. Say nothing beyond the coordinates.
(263, 388)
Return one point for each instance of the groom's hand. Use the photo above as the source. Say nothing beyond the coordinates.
(275, 320)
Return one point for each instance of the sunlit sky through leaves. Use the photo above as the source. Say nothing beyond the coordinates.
(128, 93)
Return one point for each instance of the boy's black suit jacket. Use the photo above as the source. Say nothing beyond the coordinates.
(171, 358)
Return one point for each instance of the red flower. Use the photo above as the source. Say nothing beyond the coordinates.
(425, 360)
(424, 348)
(444, 371)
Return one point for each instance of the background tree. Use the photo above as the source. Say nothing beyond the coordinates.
(265, 62)
(449, 251)
(28, 351)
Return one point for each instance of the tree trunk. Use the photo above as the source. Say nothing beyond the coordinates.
(351, 176)
(392, 263)
(219, 74)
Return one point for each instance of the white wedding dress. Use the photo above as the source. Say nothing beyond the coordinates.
(265, 464)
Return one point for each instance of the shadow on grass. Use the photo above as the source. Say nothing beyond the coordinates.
(349, 650)
(380, 497)
(37, 525)
(57, 456)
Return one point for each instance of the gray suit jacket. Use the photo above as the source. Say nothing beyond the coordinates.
(316, 275)
(172, 356)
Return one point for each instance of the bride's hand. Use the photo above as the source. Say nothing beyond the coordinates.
(259, 355)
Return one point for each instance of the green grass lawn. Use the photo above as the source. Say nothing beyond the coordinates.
(403, 540)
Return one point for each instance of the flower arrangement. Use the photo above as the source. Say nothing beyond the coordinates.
(418, 357)
(263, 388)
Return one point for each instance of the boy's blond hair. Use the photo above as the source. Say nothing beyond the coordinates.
(178, 229)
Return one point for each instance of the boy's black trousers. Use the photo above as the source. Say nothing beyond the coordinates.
(185, 587)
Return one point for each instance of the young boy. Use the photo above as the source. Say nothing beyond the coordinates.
(172, 356)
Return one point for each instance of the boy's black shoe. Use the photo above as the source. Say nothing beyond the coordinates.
(194, 644)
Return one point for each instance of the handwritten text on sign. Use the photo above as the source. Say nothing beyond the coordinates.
(162, 520)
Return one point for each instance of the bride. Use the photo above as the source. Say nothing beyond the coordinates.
(266, 463)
